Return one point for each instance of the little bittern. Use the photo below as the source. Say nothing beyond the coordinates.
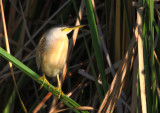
(51, 53)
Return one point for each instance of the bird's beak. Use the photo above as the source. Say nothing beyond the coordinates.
(69, 29)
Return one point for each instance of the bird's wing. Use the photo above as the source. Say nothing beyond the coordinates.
(39, 51)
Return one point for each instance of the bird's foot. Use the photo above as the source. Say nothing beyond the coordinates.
(59, 90)
(44, 80)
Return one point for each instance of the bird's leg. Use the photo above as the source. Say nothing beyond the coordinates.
(59, 87)
(44, 79)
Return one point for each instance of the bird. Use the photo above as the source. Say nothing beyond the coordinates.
(52, 52)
